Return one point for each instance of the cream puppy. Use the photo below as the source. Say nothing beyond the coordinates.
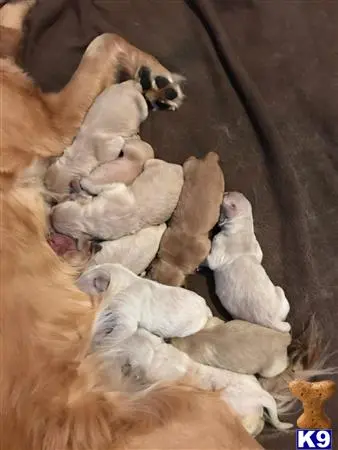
(147, 358)
(130, 302)
(114, 117)
(135, 252)
(239, 346)
(242, 285)
(124, 169)
(117, 210)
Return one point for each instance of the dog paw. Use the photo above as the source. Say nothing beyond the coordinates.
(161, 92)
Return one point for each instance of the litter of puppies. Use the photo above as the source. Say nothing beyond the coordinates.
(148, 223)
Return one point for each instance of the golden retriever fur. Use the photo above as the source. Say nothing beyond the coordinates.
(54, 394)
(186, 243)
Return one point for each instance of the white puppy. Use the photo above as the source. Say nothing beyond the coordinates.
(239, 346)
(118, 210)
(130, 302)
(242, 285)
(124, 169)
(150, 360)
(135, 252)
(114, 117)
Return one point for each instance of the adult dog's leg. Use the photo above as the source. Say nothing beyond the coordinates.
(104, 58)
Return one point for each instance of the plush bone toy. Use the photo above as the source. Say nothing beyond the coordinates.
(313, 396)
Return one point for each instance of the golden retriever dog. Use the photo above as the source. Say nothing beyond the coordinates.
(54, 394)
(186, 242)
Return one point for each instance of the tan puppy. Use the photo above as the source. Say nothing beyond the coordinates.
(238, 346)
(118, 210)
(186, 242)
(135, 252)
(115, 116)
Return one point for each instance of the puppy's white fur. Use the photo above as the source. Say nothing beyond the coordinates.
(135, 252)
(151, 360)
(114, 117)
(118, 210)
(242, 284)
(239, 346)
(130, 301)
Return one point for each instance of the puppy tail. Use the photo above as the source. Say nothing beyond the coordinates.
(12, 18)
(272, 412)
(308, 357)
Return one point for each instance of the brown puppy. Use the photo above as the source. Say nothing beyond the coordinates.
(54, 395)
(185, 244)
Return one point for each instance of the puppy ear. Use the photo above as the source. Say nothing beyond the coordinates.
(212, 156)
(94, 281)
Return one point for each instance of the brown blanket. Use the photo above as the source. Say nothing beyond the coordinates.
(262, 91)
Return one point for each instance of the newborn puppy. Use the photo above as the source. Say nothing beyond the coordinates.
(118, 210)
(150, 360)
(186, 242)
(114, 117)
(238, 346)
(242, 284)
(135, 252)
(130, 302)
(125, 168)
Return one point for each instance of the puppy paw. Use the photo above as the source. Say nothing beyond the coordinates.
(161, 92)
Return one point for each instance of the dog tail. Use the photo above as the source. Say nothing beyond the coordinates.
(308, 359)
(12, 18)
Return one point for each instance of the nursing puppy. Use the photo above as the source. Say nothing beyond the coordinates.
(186, 242)
(118, 210)
(135, 252)
(147, 358)
(242, 285)
(238, 346)
(125, 168)
(130, 302)
(114, 117)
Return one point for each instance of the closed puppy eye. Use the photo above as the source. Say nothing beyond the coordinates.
(233, 206)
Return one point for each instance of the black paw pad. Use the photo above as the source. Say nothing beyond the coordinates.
(162, 105)
(170, 93)
(145, 78)
(161, 82)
